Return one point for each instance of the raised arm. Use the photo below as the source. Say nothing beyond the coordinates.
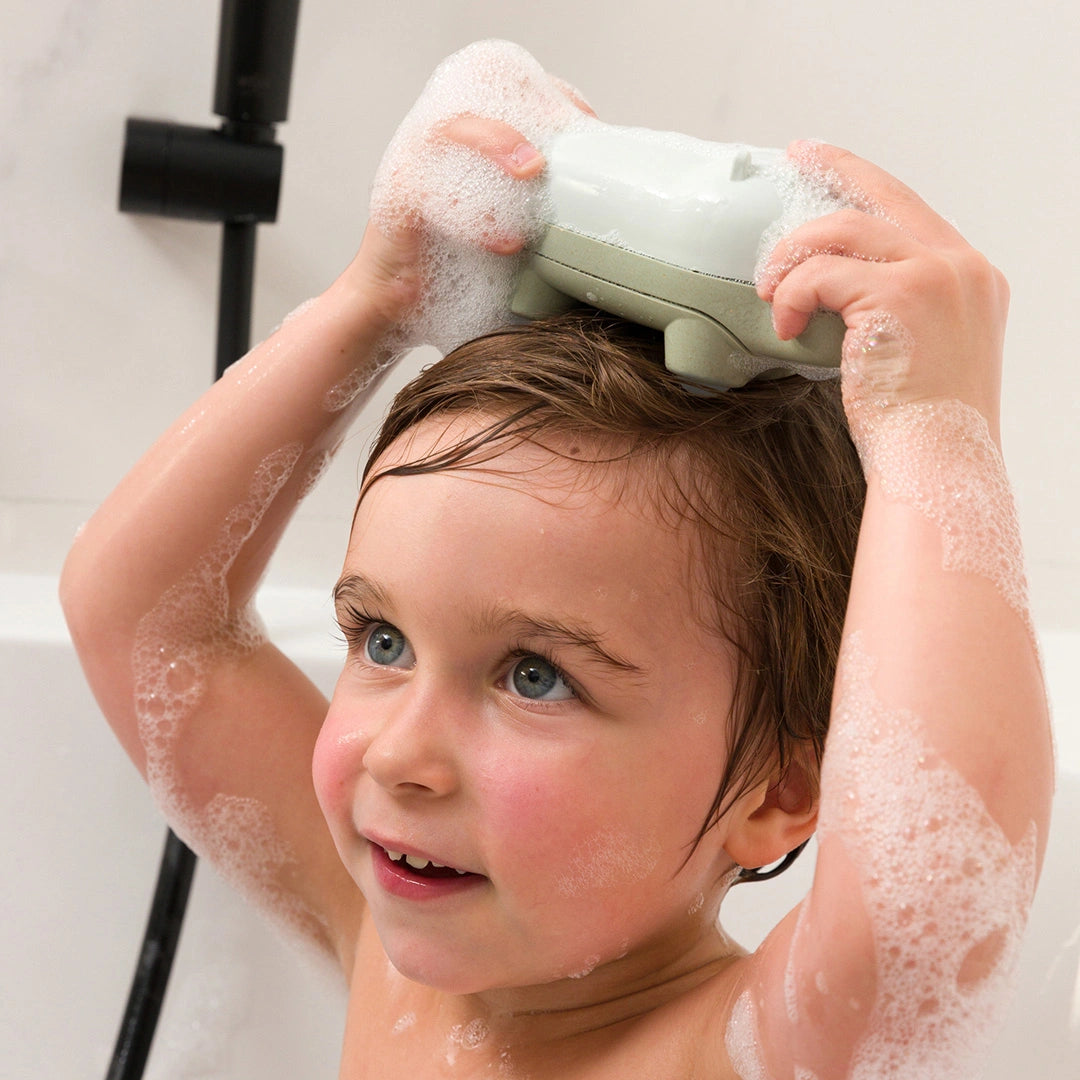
(158, 588)
(937, 777)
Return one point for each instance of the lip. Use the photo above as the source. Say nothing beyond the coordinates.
(403, 882)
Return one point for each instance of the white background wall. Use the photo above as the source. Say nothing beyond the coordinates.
(107, 324)
(107, 321)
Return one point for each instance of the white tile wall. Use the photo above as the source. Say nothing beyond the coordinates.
(106, 321)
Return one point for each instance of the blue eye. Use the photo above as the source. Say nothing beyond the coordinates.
(538, 679)
(387, 645)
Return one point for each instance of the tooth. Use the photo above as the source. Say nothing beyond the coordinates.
(393, 856)
(416, 863)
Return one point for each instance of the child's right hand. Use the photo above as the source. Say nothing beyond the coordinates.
(386, 271)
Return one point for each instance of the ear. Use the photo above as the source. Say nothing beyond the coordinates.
(772, 818)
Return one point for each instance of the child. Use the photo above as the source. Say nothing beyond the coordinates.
(592, 622)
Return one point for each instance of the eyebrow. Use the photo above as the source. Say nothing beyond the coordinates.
(559, 633)
(364, 593)
(360, 591)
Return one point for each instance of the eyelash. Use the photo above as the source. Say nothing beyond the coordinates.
(356, 624)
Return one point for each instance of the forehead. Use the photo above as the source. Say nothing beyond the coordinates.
(559, 463)
(575, 509)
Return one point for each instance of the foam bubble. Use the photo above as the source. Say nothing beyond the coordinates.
(316, 470)
(806, 193)
(403, 1023)
(466, 201)
(589, 967)
(344, 392)
(877, 358)
(946, 894)
(743, 1041)
(940, 458)
(606, 860)
(463, 198)
(750, 366)
(470, 1036)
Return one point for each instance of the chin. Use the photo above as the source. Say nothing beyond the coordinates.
(444, 969)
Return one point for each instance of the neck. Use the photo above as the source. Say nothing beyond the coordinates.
(560, 1017)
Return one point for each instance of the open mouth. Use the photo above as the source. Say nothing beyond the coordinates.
(424, 868)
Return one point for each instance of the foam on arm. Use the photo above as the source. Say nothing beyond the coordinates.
(936, 781)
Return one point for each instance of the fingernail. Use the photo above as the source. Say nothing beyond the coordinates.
(524, 154)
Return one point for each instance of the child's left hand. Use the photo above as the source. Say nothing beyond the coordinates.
(925, 312)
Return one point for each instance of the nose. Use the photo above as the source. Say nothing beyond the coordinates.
(412, 746)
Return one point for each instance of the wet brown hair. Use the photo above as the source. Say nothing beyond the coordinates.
(766, 475)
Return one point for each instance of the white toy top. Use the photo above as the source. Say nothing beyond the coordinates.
(699, 205)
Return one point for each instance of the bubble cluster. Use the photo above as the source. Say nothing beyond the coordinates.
(466, 202)
(946, 893)
(589, 967)
(470, 1036)
(750, 366)
(464, 199)
(403, 1023)
(191, 628)
(316, 469)
(344, 392)
(939, 457)
(743, 1041)
(806, 192)
(606, 860)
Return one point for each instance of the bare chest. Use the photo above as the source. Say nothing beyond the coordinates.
(399, 1039)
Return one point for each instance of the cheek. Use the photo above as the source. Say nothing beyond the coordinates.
(339, 750)
(572, 829)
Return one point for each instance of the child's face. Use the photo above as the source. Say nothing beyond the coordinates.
(529, 696)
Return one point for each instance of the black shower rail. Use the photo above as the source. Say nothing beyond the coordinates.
(230, 175)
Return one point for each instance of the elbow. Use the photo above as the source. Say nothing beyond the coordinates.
(75, 594)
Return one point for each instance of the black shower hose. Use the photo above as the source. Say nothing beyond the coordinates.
(177, 869)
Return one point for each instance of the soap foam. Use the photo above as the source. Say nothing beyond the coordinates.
(465, 201)
(749, 366)
(607, 860)
(470, 1036)
(743, 1041)
(589, 966)
(463, 198)
(316, 466)
(178, 642)
(940, 458)
(403, 1023)
(946, 894)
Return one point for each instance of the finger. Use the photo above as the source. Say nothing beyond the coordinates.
(834, 282)
(573, 94)
(500, 143)
(872, 189)
(846, 232)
